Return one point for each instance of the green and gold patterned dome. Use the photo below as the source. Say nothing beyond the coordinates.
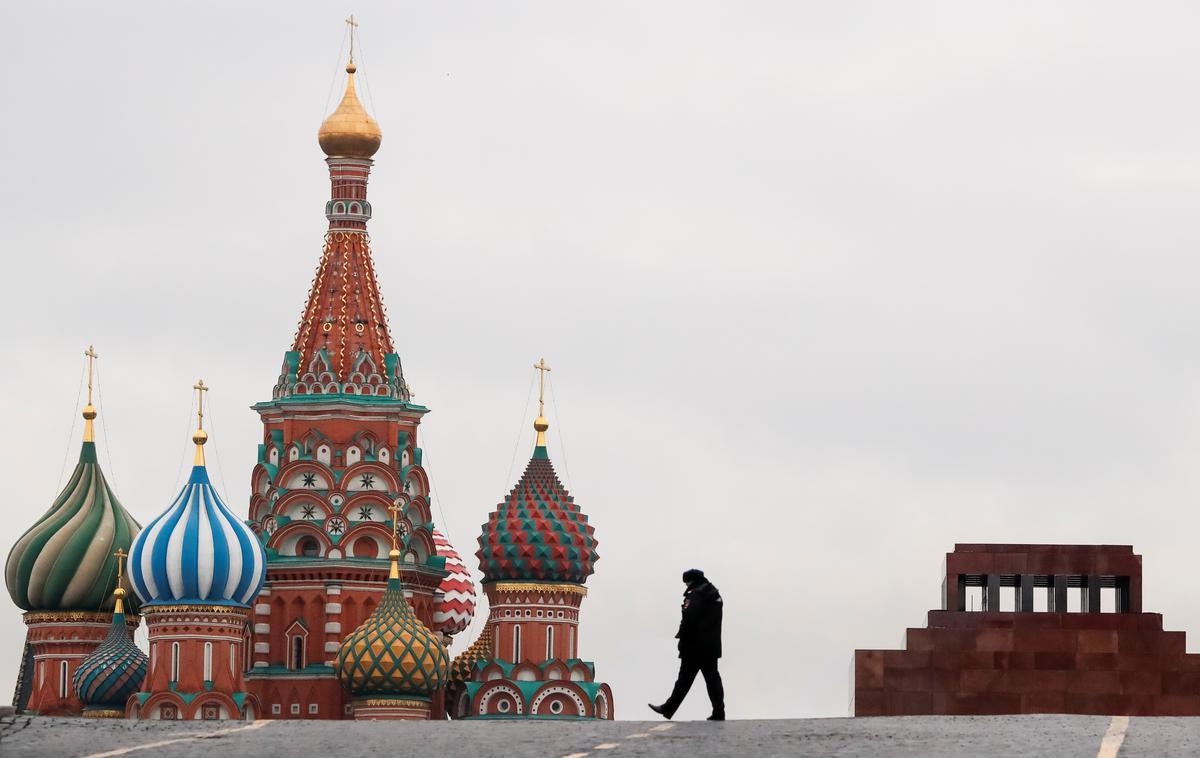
(65, 561)
(393, 653)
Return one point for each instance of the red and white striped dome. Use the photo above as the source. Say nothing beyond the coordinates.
(457, 607)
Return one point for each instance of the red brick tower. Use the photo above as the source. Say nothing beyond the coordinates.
(535, 551)
(339, 447)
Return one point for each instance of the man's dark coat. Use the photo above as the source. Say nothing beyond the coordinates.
(700, 628)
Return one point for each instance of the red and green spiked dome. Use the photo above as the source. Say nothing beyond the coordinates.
(537, 533)
(65, 561)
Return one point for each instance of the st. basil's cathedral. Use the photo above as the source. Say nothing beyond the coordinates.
(334, 596)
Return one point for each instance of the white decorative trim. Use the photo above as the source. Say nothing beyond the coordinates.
(333, 608)
(262, 609)
(487, 698)
(333, 627)
(262, 628)
(262, 647)
(547, 691)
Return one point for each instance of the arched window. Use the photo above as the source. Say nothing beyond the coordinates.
(309, 547)
(153, 656)
(63, 680)
(297, 653)
(233, 659)
(174, 661)
(339, 208)
(208, 677)
(571, 647)
(41, 673)
(549, 642)
(516, 643)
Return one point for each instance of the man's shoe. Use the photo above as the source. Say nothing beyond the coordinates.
(716, 717)
(660, 710)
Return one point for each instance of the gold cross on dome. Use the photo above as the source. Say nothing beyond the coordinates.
(395, 509)
(120, 556)
(92, 355)
(542, 369)
(200, 388)
(352, 24)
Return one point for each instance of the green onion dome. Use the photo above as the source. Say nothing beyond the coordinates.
(393, 652)
(537, 533)
(114, 671)
(65, 562)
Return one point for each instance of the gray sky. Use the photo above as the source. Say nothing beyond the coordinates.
(826, 287)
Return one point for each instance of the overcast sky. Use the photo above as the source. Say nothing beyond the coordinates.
(826, 287)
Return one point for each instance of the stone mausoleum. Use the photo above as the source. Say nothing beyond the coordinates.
(1034, 629)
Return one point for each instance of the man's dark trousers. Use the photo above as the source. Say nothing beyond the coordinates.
(688, 668)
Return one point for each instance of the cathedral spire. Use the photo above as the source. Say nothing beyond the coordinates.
(350, 132)
(342, 344)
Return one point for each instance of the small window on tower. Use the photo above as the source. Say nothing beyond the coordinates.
(309, 547)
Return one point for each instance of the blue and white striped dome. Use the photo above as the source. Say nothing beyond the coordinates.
(197, 552)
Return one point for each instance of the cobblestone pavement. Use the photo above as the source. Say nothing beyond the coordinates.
(926, 737)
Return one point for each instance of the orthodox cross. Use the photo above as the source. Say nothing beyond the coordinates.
(200, 388)
(119, 593)
(120, 556)
(91, 356)
(395, 509)
(352, 24)
(542, 369)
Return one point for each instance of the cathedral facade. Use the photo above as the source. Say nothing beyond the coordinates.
(334, 596)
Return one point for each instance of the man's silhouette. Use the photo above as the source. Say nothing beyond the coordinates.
(699, 645)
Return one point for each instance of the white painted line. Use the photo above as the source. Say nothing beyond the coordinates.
(662, 727)
(606, 746)
(636, 735)
(575, 755)
(1114, 737)
(191, 737)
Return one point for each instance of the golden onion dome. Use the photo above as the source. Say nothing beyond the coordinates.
(349, 132)
(392, 653)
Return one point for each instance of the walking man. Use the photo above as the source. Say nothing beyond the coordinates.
(699, 645)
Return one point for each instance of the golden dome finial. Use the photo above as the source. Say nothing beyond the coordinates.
(89, 410)
(540, 423)
(349, 132)
(200, 436)
(119, 592)
(394, 553)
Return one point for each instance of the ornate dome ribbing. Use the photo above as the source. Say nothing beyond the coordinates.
(454, 611)
(65, 561)
(114, 671)
(538, 532)
(197, 551)
(392, 653)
